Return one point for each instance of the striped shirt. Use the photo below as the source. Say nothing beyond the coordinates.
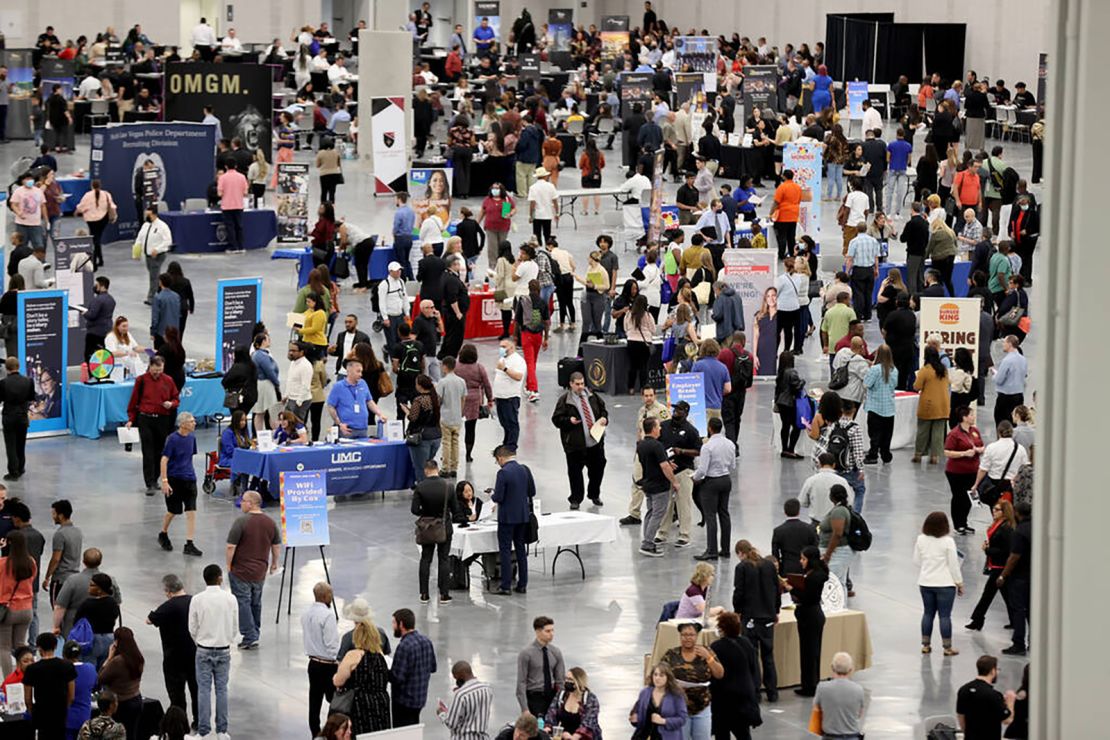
(467, 717)
(864, 250)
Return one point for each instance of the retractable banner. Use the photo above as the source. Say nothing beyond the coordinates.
(389, 144)
(804, 159)
(238, 310)
(614, 36)
(291, 202)
(43, 354)
(760, 87)
(689, 387)
(955, 321)
(752, 273)
(73, 272)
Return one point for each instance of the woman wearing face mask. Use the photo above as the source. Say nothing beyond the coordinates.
(574, 709)
(496, 219)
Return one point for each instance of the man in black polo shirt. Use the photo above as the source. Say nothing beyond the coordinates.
(683, 441)
(915, 235)
(687, 200)
(657, 482)
(48, 687)
(426, 330)
(979, 707)
(178, 649)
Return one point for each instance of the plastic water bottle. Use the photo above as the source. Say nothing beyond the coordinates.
(84, 372)
(539, 722)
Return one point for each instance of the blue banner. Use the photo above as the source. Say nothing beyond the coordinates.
(183, 156)
(304, 509)
(857, 93)
(43, 333)
(238, 310)
(689, 387)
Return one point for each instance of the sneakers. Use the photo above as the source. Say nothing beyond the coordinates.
(706, 556)
(445, 599)
(1015, 650)
(244, 645)
(424, 598)
(681, 542)
(870, 461)
(659, 540)
(533, 396)
(191, 549)
(164, 541)
(630, 521)
(651, 552)
(596, 501)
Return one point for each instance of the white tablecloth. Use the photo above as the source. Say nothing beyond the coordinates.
(905, 421)
(561, 529)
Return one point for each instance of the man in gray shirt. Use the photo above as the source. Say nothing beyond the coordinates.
(840, 701)
(75, 591)
(452, 395)
(65, 548)
(539, 669)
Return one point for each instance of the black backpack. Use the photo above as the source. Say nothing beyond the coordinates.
(1008, 190)
(840, 446)
(553, 267)
(858, 534)
(839, 378)
(411, 357)
(742, 372)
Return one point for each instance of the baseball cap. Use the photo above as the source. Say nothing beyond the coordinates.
(394, 266)
(681, 405)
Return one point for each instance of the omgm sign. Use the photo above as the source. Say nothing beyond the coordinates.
(597, 373)
(211, 83)
(339, 458)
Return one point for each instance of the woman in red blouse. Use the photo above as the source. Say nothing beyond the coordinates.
(962, 448)
(17, 577)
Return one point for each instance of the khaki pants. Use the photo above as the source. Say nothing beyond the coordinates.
(849, 234)
(713, 414)
(684, 499)
(450, 446)
(637, 500)
(525, 176)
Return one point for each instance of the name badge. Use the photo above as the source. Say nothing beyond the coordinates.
(358, 408)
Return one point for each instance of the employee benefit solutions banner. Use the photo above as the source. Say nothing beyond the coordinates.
(184, 159)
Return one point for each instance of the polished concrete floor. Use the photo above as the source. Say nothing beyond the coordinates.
(604, 624)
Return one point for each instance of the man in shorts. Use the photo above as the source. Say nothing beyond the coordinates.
(179, 482)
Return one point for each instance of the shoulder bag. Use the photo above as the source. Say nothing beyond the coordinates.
(6, 607)
(432, 530)
(992, 489)
(342, 703)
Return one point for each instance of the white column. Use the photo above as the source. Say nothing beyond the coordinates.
(1071, 598)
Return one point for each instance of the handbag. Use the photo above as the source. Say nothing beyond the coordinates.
(232, 399)
(1011, 318)
(413, 439)
(843, 212)
(342, 703)
(803, 411)
(500, 295)
(991, 489)
(816, 717)
(432, 530)
(701, 292)
(385, 385)
(341, 270)
(668, 349)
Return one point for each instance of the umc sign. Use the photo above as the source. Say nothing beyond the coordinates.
(339, 458)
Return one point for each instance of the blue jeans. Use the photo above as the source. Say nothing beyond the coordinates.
(839, 564)
(402, 249)
(511, 537)
(834, 176)
(897, 183)
(859, 486)
(212, 667)
(249, 596)
(35, 236)
(546, 292)
(508, 413)
(421, 454)
(699, 726)
(936, 599)
(98, 651)
(355, 434)
(607, 314)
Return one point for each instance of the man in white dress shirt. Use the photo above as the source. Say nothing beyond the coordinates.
(321, 644)
(298, 381)
(871, 118)
(338, 72)
(204, 38)
(213, 625)
(231, 42)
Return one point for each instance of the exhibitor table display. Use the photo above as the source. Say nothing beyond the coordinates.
(205, 231)
(905, 421)
(845, 631)
(354, 466)
(961, 272)
(92, 407)
(607, 366)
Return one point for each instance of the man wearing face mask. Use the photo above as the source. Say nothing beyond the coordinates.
(154, 240)
(28, 203)
(508, 380)
(456, 302)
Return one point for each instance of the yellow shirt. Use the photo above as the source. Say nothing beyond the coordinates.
(313, 329)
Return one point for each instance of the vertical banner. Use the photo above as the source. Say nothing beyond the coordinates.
(43, 330)
(955, 320)
(560, 29)
(805, 158)
(655, 223)
(238, 309)
(690, 88)
(614, 36)
(491, 11)
(291, 202)
(698, 54)
(759, 88)
(529, 67)
(21, 69)
(752, 273)
(182, 159)
(304, 508)
(429, 191)
(73, 272)
(857, 93)
(389, 138)
(635, 87)
(689, 387)
(1042, 79)
(240, 96)
(54, 71)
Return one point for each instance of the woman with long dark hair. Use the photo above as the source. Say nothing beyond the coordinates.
(504, 285)
(173, 354)
(590, 164)
(324, 234)
(639, 328)
(184, 290)
(926, 170)
(660, 710)
(811, 619)
(98, 209)
(533, 321)
(961, 379)
(479, 393)
(237, 436)
(122, 674)
(423, 419)
(17, 576)
(836, 156)
(933, 405)
(788, 386)
(622, 304)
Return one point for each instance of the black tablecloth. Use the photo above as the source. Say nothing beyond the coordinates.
(607, 367)
(739, 161)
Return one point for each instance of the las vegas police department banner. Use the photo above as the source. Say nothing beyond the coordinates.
(240, 96)
(955, 320)
(43, 330)
(238, 309)
(184, 159)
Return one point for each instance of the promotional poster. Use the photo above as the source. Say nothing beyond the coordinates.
(857, 93)
(43, 334)
(759, 87)
(21, 69)
(430, 193)
(956, 320)
(389, 137)
(182, 160)
(805, 159)
(240, 96)
(490, 10)
(291, 202)
(238, 309)
(304, 508)
(560, 28)
(752, 273)
(614, 36)
(73, 272)
(690, 88)
(689, 387)
(529, 67)
(697, 54)
(54, 71)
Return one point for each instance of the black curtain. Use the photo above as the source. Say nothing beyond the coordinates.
(849, 43)
(899, 52)
(944, 49)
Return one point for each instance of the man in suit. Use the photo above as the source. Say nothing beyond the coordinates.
(790, 538)
(576, 412)
(16, 393)
(513, 493)
(345, 340)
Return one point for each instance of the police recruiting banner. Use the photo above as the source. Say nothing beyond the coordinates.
(182, 157)
(240, 96)
(304, 509)
(804, 159)
(291, 202)
(43, 333)
(238, 309)
(955, 320)
(689, 387)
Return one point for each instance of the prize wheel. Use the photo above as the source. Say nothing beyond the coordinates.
(101, 363)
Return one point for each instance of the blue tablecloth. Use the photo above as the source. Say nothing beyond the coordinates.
(379, 262)
(75, 188)
(359, 467)
(92, 408)
(303, 255)
(205, 232)
(961, 271)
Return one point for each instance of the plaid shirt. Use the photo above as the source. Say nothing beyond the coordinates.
(855, 444)
(543, 261)
(414, 662)
(880, 395)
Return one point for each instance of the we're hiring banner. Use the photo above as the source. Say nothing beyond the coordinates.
(43, 355)
(238, 309)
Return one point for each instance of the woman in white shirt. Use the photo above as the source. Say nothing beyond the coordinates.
(128, 352)
(651, 286)
(525, 270)
(431, 232)
(939, 579)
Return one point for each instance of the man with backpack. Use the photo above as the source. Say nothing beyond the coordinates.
(741, 371)
(1001, 187)
(408, 362)
(844, 441)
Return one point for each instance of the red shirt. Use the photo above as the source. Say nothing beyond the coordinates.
(958, 441)
(846, 341)
(453, 65)
(150, 393)
(492, 208)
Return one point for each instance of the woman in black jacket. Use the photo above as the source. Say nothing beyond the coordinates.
(184, 289)
(435, 498)
(242, 378)
(735, 696)
(1016, 297)
(1024, 229)
(997, 547)
(788, 386)
(174, 356)
(472, 235)
(811, 619)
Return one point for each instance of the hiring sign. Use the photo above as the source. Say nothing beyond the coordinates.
(955, 321)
